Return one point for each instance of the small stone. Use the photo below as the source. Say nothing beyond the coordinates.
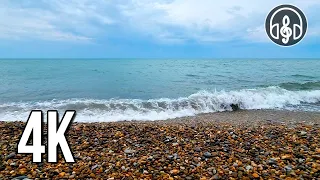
(248, 167)
(272, 161)
(303, 133)
(255, 175)
(94, 167)
(62, 174)
(288, 168)
(300, 160)
(175, 144)
(234, 136)
(214, 171)
(286, 157)
(176, 156)
(20, 178)
(170, 157)
(197, 149)
(316, 157)
(207, 155)
(13, 164)
(92, 175)
(168, 139)
(129, 151)
(119, 134)
(235, 107)
(174, 171)
(216, 177)
(11, 155)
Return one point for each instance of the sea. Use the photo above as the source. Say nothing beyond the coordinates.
(155, 89)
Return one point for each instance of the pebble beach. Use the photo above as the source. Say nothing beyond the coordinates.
(227, 145)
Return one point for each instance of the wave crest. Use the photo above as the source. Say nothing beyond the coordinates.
(90, 110)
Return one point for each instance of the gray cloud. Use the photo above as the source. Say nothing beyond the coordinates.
(169, 21)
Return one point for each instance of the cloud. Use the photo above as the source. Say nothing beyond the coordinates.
(165, 21)
(51, 20)
(205, 20)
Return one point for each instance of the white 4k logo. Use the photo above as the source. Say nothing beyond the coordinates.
(56, 135)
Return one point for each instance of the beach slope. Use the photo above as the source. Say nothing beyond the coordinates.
(227, 145)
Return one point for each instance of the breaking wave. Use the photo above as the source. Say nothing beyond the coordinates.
(94, 110)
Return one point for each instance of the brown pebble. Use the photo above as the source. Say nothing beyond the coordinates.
(174, 171)
(255, 175)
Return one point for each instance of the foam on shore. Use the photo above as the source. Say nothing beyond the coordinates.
(96, 110)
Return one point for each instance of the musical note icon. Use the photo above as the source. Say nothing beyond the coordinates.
(285, 31)
(286, 25)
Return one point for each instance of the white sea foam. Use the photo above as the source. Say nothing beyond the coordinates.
(93, 110)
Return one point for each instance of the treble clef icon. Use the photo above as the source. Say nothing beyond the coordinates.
(285, 31)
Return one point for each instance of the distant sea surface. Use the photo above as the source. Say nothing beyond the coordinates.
(152, 89)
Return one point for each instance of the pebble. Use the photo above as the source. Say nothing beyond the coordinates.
(119, 134)
(285, 157)
(11, 155)
(174, 171)
(168, 139)
(72, 176)
(175, 144)
(213, 170)
(272, 161)
(316, 157)
(163, 150)
(248, 167)
(255, 175)
(21, 178)
(288, 168)
(197, 149)
(94, 167)
(13, 164)
(303, 133)
(207, 155)
(300, 160)
(216, 177)
(129, 151)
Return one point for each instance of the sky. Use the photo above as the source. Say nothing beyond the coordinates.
(148, 29)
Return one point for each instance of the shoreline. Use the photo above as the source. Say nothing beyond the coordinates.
(258, 144)
(239, 117)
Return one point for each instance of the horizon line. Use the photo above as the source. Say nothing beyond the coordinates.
(182, 58)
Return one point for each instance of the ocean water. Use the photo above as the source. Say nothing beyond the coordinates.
(153, 89)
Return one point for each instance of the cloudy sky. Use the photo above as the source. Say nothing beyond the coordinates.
(148, 29)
